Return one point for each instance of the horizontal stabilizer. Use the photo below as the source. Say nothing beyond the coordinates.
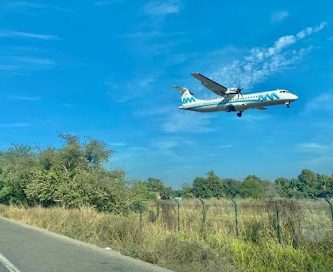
(180, 89)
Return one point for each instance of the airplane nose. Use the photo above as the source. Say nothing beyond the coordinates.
(295, 97)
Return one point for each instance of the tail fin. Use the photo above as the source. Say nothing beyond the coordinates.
(187, 96)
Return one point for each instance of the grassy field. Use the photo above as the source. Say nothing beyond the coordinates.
(272, 235)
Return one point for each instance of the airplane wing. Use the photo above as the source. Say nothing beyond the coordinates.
(210, 84)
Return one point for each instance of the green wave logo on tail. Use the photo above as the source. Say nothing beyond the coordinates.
(188, 100)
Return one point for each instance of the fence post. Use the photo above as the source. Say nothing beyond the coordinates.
(278, 226)
(141, 215)
(203, 223)
(178, 215)
(329, 201)
(236, 216)
(141, 210)
(157, 210)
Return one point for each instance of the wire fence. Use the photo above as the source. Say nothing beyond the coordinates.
(288, 221)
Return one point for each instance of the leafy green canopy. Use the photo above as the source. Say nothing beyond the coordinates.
(76, 175)
(307, 185)
(70, 176)
(215, 187)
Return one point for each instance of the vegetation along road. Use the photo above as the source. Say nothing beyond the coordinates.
(24, 249)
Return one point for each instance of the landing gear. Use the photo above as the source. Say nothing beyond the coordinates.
(239, 114)
(287, 104)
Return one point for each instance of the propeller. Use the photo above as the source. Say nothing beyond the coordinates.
(238, 88)
(239, 91)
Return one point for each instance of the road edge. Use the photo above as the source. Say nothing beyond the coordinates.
(107, 252)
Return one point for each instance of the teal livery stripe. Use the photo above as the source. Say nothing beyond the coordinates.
(227, 103)
(261, 98)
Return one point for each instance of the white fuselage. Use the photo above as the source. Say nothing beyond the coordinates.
(238, 102)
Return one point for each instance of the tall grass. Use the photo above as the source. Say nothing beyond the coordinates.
(211, 245)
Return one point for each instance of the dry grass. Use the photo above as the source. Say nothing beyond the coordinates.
(202, 245)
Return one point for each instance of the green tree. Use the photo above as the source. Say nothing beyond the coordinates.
(282, 186)
(96, 153)
(186, 191)
(141, 192)
(157, 185)
(17, 169)
(252, 187)
(270, 189)
(72, 175)
(212, 186)
(307, 183)
(231, 188)
(325, 190)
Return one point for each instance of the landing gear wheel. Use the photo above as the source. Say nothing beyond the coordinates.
(288, 105)
(239, 114)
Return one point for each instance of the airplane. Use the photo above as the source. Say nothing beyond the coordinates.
(232, 99)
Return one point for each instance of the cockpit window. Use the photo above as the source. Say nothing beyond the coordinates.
(284, 91)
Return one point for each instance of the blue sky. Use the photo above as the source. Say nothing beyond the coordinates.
(104, 69)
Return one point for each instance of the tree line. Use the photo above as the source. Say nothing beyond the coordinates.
(308, 184)
(76, 174)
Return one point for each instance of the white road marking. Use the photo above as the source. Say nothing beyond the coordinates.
(8, 264)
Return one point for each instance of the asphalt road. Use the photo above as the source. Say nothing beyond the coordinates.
(28, 249)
